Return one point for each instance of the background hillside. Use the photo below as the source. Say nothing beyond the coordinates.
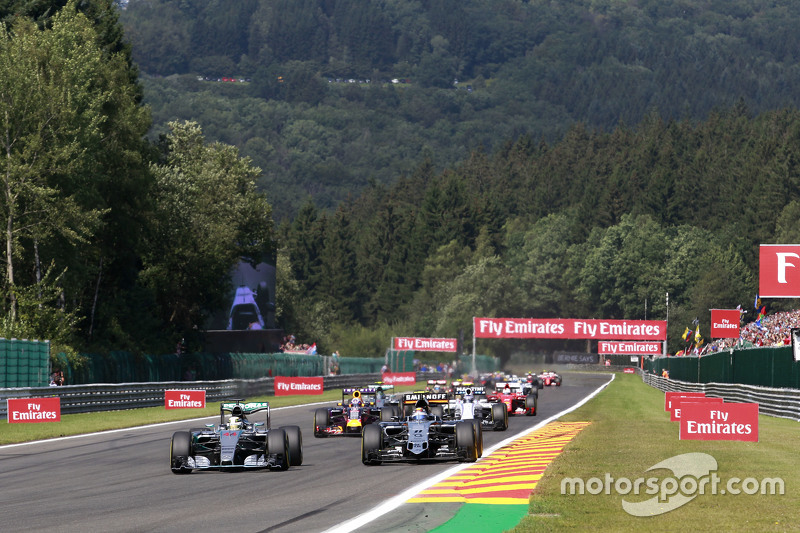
(320, 115)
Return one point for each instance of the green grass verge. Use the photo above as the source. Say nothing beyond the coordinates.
(629, 433)
(103, 421)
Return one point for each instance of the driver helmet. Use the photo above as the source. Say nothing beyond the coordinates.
(436, 388)
(419, 414)
(507, 387)
(355, 402)
(469, 397)
(235, 423)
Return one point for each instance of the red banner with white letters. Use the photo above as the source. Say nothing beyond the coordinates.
(730, 421)
(629, 347)
(399, 378)
(669, 396)
(300, 385)
(779, 271)
(184, 399)
(677, 405)
(569, 328)
(32, 410)
(422, 344)
(725, 323)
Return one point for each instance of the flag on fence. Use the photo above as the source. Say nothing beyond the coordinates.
(697, 338)
(687, 334)
(312, 350)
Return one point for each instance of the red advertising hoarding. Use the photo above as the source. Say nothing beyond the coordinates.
(422, 344)
(32, 410)
(298, 385)
(670, 396)
(729, 421)
(629, 347)
(779, 271)
(725, 323)
(399, 378)
(676, 412)
(184, 399)
(569, 328)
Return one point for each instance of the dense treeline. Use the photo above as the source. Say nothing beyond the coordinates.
(109, 241)
(535, 69)
(597, 225)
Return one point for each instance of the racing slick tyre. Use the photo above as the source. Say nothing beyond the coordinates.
(321, 419)
(387, 413)
(371, 441)
(476, 424)
(530, 405)
(295, 445)
(179, 448)
(465, 438)
(278, 444)
(437, 411)
(500, 416)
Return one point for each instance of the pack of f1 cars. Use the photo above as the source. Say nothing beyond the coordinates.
(421, 436)
(470, 402)
(236, 443)
(358, 408)
(517, 398)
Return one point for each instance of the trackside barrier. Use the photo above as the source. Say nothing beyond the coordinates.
(783, 403)
(117, 396)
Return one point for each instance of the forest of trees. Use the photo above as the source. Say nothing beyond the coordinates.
(606, 154)
(536, 68)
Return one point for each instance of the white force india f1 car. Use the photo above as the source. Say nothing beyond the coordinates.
(236, 443)
(421, 436)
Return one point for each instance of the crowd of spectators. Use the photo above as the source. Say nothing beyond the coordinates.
(771, 330)
(290, 344)
(443, 368)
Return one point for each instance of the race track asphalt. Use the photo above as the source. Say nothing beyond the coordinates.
(121, 481)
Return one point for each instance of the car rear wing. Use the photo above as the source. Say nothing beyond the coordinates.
(236, 407)
(433, 398)
(477, 390)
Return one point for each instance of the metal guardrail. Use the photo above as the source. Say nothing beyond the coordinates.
(782, 403)
(117, 396)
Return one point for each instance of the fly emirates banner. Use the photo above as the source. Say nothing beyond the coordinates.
(569, 328)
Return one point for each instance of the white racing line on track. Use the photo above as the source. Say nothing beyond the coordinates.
(3, 447)
(395, 502)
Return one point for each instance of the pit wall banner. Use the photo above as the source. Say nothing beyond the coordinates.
(725, 323)
(629, 347)
(399, 378)
(730, 421)
(32, 410)
(569, 328)
(422, 344)
(285, 386)
(184, 399)
(779, 270)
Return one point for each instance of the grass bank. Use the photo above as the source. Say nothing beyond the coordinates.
(77, 424)
(629, 433)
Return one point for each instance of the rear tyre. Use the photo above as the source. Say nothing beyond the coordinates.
(278, 444)
(530, 405)
(500, 416)
(386, 414)
(437, 411)
(465, 438)
(321, 420)
(371, 441)
(295, 445)
(179, 449)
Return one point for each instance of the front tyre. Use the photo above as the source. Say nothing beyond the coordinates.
(476, 424)
(530, 405)
(278, 445)
(295, 445)
(465, 438)
(500, 416)
(179, 449)
(371, 443)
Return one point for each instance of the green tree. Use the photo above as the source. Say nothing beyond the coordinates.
(208, 216)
